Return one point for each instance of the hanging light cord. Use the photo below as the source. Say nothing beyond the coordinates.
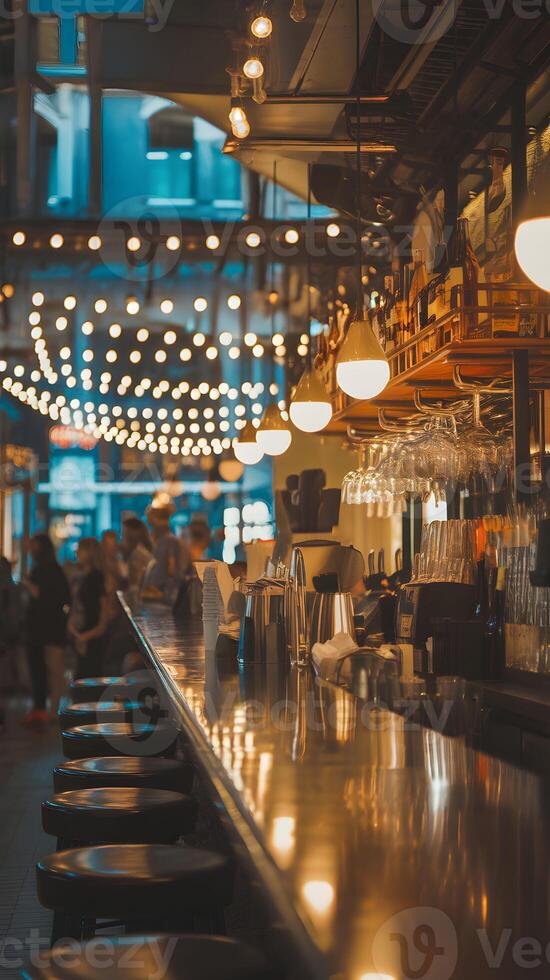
(358, 160)
(308, 265)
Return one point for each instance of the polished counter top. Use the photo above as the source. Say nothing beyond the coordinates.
(389, 850)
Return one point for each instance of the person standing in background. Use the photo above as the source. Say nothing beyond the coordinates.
(95, 609)
(46, 628)
(171, 559)
(112, 564)
(137, 550)
(10, 622)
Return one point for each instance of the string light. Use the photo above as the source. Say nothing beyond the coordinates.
(94, 243)
(19, 238)
(333, 230)
(253, 68)
(291, 236)
(261, 27)
(200, 304)
(56, 240)
(253, 239)
(37, 299)
(166, 306)
(100, 305)
(133, 244)
(173, 243)
(212, 242)
(234, 301)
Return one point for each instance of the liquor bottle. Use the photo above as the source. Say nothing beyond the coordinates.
(464, 271)
(418, 283)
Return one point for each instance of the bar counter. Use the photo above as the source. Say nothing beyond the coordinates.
(381, 847)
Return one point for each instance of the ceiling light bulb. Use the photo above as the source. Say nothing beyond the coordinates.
(261, 26)
(311, 408)
(253, 239)
(233, 301)
(133, 244)
(250, 339)
(237, 115)
(225, 338)
(291, 236)
(115, 330)
(173, 243)
(94, 242)
(142, 335)
(333, 230)
(56, 241)
(200, 304)
(246, 447)
(273, 435)
(253, 68)
(19, 238)
(69, 302)
(37, 299)
(166, 306)
(212, 242)
(362, 369)
(199, 339)
(241, 130)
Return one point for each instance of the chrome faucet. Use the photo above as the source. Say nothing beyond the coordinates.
(296, 620)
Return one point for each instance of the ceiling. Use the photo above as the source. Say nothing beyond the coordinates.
(455, 87)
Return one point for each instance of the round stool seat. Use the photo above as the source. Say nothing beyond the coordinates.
(119, 814)
(126, 881)
(119, 738)
(126, 686)
(120, 770)
(92, 712)
(139, 957)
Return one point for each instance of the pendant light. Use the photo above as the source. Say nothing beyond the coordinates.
(245, 446)
(310, 408)
(273, 435)
(362, 369)
(532, 242)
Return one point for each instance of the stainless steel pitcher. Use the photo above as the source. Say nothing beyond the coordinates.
(331, 613)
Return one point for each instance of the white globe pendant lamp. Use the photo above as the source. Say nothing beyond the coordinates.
(245, 446)
(273, 435)
(311, 408)
(532, 241)
(362, 369)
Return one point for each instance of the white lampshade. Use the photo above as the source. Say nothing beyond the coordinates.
(246, 448)
(532, 241)
(274, 435)
(362, 369)
(310, 408)
(532, 246)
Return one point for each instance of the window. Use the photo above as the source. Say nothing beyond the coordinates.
(170, 157)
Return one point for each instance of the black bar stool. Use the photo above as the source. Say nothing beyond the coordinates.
(94, 712)
(152, 886)
(119, 770)
(138, 684)
(139, 957)
(119, 738)
(118, 814)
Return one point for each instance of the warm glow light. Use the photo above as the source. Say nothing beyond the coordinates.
(173, 243)
(532, 244)
(234, 301)
(94, 242)
(200, 304)
(250, 339)
(87, 328)
(253, 68)
(362, 369)
(310, 409)
(291, 236)
(37, 299)
(142, 335)
(225, 338)
(212, 242)
(133, 244)
(253, 239)
(246, 448)
(261, 26)
(241, 130)
(319, 895)
(100, 305)
(132, 306)
(170, 337)
(237, 115)
(199, 339)
(333, 230)
(69, 302)
(19, 238)
(277, 339)
(56, 241)
(273, 435)
(61, 323)
(115, 330)
(166, 306)
(211, 353)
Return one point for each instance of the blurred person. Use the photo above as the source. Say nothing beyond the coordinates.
(164, 576)
(95, 609)
(137, 550)
(199, 539)
(10, 623)
(46, 628)
(112, 564)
